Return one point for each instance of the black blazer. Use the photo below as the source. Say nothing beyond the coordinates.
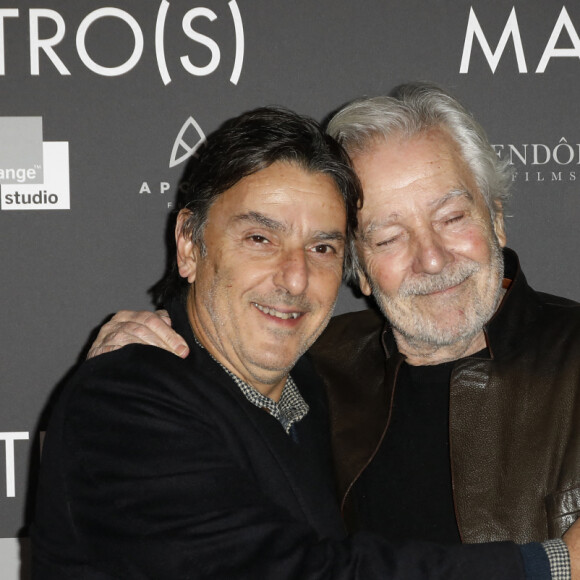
(158, 467)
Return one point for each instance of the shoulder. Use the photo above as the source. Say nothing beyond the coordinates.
(350, 329)
(130, 407)
(538, 327)
(558, 312)
(351, 345)
(139, 384)
(522, 300)
(134, 357)
(134, 364)
(559, 302)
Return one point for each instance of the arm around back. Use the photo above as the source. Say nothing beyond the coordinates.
(150, 472)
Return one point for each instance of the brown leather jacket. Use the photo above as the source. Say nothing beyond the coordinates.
(514, 417)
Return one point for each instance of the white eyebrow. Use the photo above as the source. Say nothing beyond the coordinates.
(375, 225)
(453, 194)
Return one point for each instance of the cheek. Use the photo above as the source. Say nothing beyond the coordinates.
(323, 286)
(385, 272)
(473, 242)
(244, 275)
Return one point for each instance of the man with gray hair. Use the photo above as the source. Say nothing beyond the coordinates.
(456, 418)
(468, 393)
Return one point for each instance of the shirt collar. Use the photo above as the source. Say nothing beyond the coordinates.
(291, 407)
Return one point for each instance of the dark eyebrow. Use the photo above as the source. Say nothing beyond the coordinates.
(260, 219)
(255, 217)
(334, 235)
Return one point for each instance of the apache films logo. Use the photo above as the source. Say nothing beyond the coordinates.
(542, 162)
(189, 139)
(187, 142)
(33, 174)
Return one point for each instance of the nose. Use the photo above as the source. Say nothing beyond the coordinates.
(292, 273)
(430, 254)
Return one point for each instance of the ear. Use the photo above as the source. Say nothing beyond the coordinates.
(363, 282)
(499, 225)
(186, 249)
(361, 276)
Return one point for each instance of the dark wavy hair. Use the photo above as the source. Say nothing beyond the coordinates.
(245, 145)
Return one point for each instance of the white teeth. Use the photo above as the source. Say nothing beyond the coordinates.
(276, 313)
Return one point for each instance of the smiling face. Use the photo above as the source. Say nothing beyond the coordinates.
(266, 286)
(430, 251)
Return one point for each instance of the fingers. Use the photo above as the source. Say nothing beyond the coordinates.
(164, 315)
(151, 328)
(142, 327)
(96, 351)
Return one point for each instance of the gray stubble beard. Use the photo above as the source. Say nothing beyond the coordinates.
(421, 330)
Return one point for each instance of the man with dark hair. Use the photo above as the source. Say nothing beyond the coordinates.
(457, 419)
(218, 466)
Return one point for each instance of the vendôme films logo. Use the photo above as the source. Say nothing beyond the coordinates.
(34, 175)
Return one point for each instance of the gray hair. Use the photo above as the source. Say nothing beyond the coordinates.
(415, 108)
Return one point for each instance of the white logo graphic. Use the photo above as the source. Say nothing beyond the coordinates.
(33, 174)
(9, 439)
(540, 161)
(181, 149)
(512, 30)
(48, 45)
(189, 139)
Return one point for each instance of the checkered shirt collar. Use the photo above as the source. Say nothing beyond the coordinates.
(291, 407)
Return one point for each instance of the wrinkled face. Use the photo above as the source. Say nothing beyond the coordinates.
(429, 249)
(266, 287)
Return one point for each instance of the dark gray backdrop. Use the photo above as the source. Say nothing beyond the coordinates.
(64, 270)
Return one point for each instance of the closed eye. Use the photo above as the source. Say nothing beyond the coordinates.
(454, 219)
(388, 241)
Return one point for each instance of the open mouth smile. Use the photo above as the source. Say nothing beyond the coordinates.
(277, 313)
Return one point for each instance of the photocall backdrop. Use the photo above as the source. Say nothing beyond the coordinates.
(102, 103)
